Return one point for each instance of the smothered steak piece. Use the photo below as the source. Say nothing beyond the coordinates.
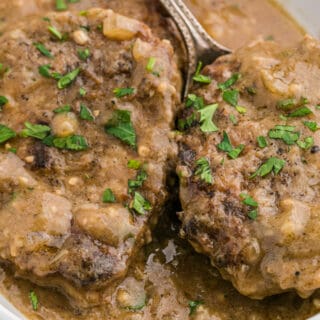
(88, 102)
(249, 168)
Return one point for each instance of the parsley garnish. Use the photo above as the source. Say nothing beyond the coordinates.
(252, 90)
(241, 110)
(139, 204)
(313, 126)
(248, 200)
(203, 170)
(273, 164)
(61, 5)
(138, 181)
(74, 143)
(301, 112)
(108, 196)
(82, 92)
(134, 164)
(120, 126)
(63, 109)
(200, 77)
(262, 142)
(233, 119)
(286, 104)
(194, 101)
(230, 82)
(85, 113)
(193, 305)
(285, 133)
(67, 79)
(34, 300)
(306, 144)
(231, 97)
(43, 50)
(44, 70)
(186, 123)
(84, 54)
(55, 32)
(3, 101)
(122, 92)
(37, 131)
(206, 114)
(6, 133)
(226, 146)
(253, 214)
(151, 63)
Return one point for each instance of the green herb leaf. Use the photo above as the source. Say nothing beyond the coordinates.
(37, 131)
(67, 79)
(230, 82)
(306, 144)
(193, 305)
(74, 143)
(42, 49)
(252, 90)
(285, 133)
(273, 164)
(184, 124)
(206, 114)
(63, 109)
(6, 133)
(120, 126)
(108, 196)
(151, 64)
(200, 77)
(61, 5)
(241, 110)
(85, 113)
(231, 97)
(203, 170)
(134, 164)
(138, 181)
(34, 300)
(248, 200)
(3, 101)
(253, 214)
(234, 153)
(286, 104)
(301, 112)
(82, 92)
(233, 119)
(194, 101)
(44, 70)
(225, 145)
(139, 204)
(313, 126)
(84, 54)
(262, 142)
(122, 92)
(55, 32)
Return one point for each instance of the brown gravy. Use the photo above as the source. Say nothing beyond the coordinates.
(171, 272)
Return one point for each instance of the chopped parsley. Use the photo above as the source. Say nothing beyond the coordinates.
(82, 92)
(151, 64)
(108, 196)
(194, 101)
(286, 104)
(313, 126)
(55, 32)
(206, 114)
(203, 170)
(67, 79)
(74, 142)
(37, 131)
(262, 142)
(241, 110)
(285, 133)
(42, 49)
(122, 92)
(231, 97)
(198, 77)
(306, 144)
(138, 181)
(139, 204)
(248, 200)
(44, 70)
(273, 164)
(85, 113)
(301, 112)
(84, 54)
(253, 214)
(230, 82)
(193, 305)
(120, 126)
(233, 119)
(252, 90)
(134, 164)
(226, 146)
(186, 123)
(34, 300)
(3, 101)
(63, 109)
(6, 133)
(61, 5)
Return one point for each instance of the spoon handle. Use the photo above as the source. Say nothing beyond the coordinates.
(200, 46)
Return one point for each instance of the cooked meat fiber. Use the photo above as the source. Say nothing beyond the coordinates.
(250, 180)
(91, 98)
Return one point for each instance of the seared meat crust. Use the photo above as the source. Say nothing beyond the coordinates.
(55, 228)
(279, 249)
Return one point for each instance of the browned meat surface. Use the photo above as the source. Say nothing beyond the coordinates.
(73, 211)
(253, 205)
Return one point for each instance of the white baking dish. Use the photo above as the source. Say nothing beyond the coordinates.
(306, 12)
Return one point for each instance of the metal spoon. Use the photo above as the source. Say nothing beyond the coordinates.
(200, 46)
